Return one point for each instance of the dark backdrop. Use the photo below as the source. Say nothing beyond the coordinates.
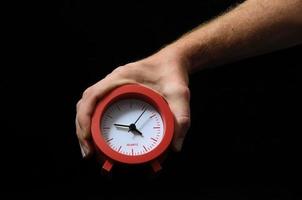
(246, 119)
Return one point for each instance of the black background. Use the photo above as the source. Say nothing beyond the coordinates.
(246, 119)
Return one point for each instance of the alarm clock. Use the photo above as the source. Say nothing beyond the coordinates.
(132, 125)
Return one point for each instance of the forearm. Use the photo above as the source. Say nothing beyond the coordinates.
(254, 27)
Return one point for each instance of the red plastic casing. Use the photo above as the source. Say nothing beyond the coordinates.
(142, 93)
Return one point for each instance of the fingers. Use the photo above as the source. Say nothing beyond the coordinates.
(177, 95)
(85, 108)
(179, 102)
(85, 144)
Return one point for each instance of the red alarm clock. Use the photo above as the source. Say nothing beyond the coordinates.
(132, 125)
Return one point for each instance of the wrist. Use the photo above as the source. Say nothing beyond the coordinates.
(169, 58)
(176, 56)
(168, 65)
(192, 52)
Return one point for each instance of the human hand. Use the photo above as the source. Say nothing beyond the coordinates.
(163, 72)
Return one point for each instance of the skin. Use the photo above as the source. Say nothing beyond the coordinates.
(252, 28)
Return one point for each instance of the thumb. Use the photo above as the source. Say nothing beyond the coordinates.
(179, 104)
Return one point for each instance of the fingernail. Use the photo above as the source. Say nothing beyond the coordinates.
(83, 150)
(178, 144)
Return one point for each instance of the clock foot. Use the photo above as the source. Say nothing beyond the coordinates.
(107, 166)
(156, 166)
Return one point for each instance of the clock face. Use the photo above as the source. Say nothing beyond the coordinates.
(132, 127)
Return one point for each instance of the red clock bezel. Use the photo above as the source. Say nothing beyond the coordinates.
(139, 92)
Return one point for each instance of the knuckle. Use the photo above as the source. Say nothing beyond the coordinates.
(88, 92)
(177, 90)
(78, 130)
(79, 133)
(86, 135)
(184, 91)
(184, 121)
(119, 70)
(127, 71)
(83, 135)
(84, 123)
(78, 105)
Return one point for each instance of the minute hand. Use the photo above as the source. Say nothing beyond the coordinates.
(140, 115)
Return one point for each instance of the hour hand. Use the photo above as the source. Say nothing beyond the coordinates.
(122, 125)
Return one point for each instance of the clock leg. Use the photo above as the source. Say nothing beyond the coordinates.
(156, 166)
(107, 166)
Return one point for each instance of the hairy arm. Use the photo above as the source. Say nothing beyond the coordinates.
(254, 27)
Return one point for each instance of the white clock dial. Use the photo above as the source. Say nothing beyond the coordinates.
(132, 127)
